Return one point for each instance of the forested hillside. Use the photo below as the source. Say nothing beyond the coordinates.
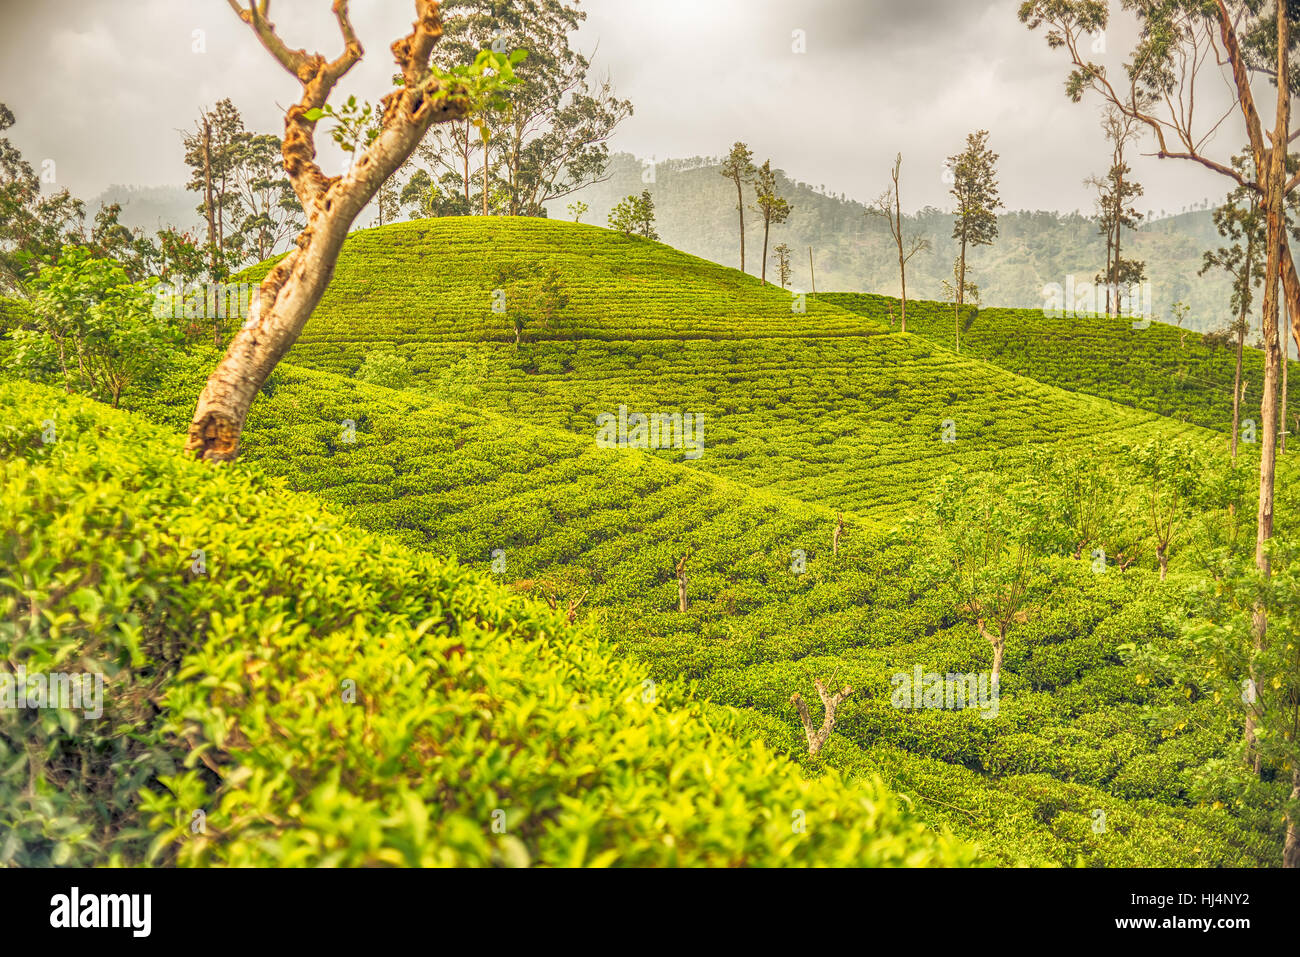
(695, 207)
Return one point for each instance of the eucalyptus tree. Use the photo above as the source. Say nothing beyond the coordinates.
(769, 204)
(975, 188)
(280, 308)
(739, 168)
(547, 137)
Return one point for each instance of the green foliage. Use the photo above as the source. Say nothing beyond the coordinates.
(326, 697)
(94, 330)
(635, 215)
(1217, 659)
(385, 369)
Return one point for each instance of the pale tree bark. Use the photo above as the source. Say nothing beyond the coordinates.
(835, 535)
(817, 737)
(681, 583)
(1273, 184)
(998, 641)
(284, 302)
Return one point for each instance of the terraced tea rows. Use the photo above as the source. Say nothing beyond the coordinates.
(839, 413)
(429, 281)
(1183, 375)
(543, 506)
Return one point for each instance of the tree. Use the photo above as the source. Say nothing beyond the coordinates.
(769, 205)
(975, 188)
(33, 227)
(577, 210)
(1171, 473)
(635, 215)
(890, 205)
(291, 290)
(739, 168)
(1115, 212)
(529, 294)
(212, 151)
(817, 737)
(96, 330)
(782, 253)
(991, 542)
(268, 212)
(550, 133)
(424, 198)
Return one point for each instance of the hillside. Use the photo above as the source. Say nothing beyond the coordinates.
(695, 211)
(480, 491)
(826, 406)
(513, 485)
(544, 507)
(327, 697)
(1180, 374)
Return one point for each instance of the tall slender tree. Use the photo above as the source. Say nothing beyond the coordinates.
(768, 204)
(975, 188)
(739, 168)
(1115, 212)
(890, 205)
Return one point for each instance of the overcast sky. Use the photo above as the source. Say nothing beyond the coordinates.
(103, 88)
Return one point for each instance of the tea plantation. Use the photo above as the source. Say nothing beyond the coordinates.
(380, 680)
(1079, 732)
(824, 406)
(1184, 375)
(230, 653)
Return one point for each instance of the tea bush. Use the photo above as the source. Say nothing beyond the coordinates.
(285, 689)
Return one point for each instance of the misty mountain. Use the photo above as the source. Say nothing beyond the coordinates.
(696, 211)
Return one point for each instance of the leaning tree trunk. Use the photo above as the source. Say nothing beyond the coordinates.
(294, 287)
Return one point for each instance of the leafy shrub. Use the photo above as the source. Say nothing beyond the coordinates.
(385, 369)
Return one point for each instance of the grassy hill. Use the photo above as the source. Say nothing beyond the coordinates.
(592, 731)
(826, 406)
(1180, 374)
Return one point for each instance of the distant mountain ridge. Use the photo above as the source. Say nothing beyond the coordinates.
(695, 212)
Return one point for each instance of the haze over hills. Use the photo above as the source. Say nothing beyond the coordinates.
(695, 212)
